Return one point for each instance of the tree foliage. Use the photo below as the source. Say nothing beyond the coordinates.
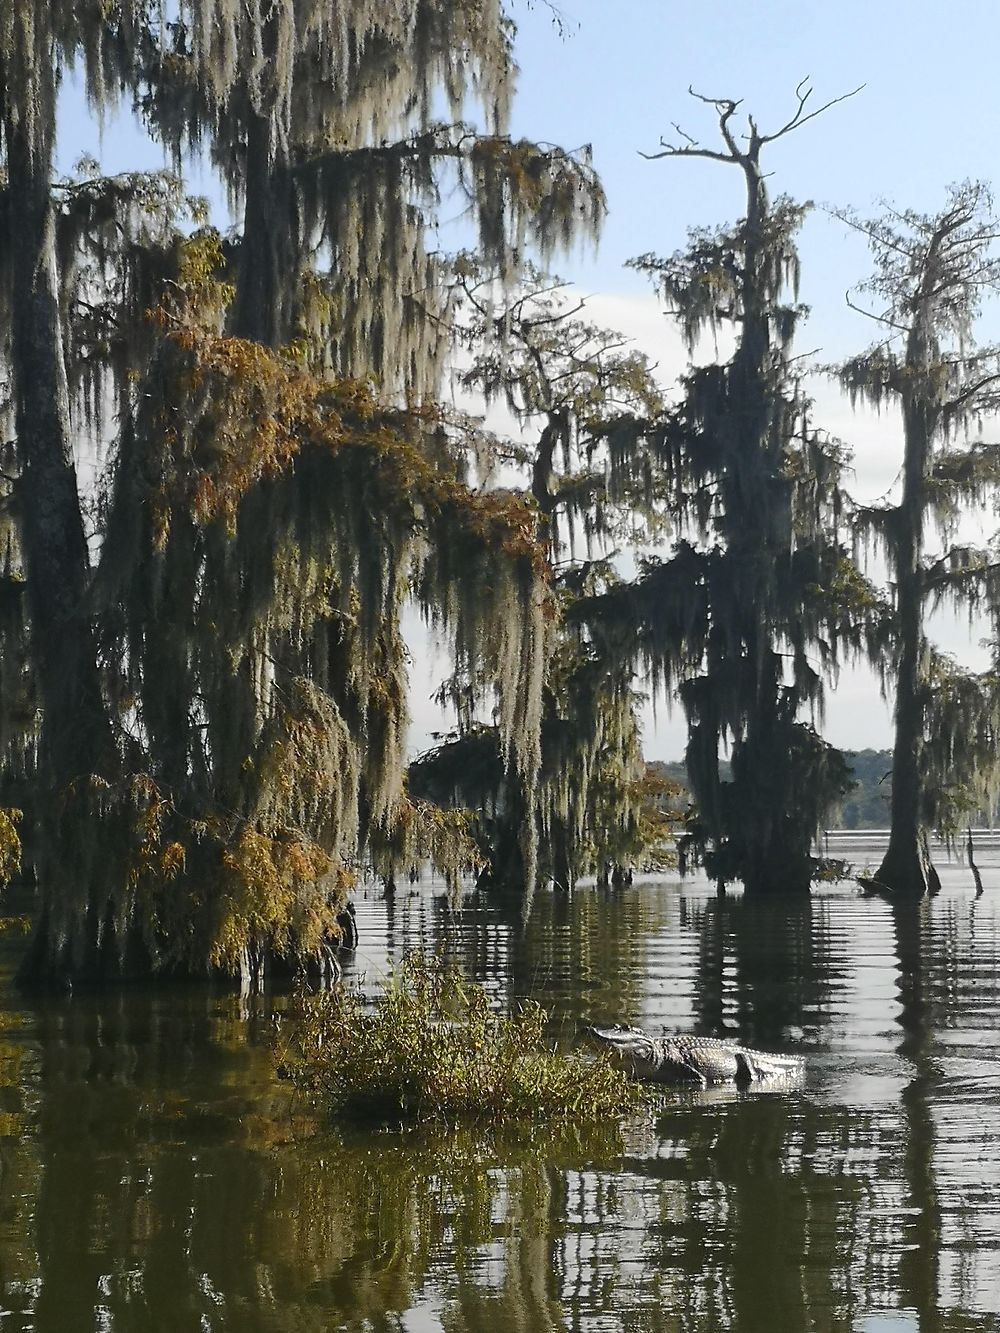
(759, 601)
(203, 677)
(572, 387)
(931, 273)
(215, 653)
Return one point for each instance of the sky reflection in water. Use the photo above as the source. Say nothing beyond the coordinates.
(154, 1176)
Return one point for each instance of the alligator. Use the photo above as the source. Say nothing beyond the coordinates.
(702, 1060)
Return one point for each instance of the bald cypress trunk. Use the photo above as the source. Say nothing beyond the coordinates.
(905, 866)
(76, 735)
(755, 498)
(931, 275)
(760, 489)
(267, 273)
(766, 848)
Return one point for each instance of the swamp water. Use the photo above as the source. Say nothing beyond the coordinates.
(154, 1175)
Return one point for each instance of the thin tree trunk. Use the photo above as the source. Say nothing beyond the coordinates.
(542, 474)
(905, 869)
(76, 735)
(267, 271)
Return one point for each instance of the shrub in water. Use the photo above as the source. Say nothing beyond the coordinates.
(432, 1046)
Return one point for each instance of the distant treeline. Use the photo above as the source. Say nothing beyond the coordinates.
(866, 806)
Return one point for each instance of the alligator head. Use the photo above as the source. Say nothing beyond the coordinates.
(642, 1057)
(619, 1038)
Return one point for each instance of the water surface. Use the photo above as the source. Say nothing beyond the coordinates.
(155, 1176)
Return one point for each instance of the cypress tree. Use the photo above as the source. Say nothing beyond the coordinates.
(931, 273)
(219, 667)
(751, 610)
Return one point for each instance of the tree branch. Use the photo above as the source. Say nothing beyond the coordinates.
(954, 405)
(726, 108)
(671, 150)
(799, 119)
(878, 319)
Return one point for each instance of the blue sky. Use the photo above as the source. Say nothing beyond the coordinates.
(617, 77)
(926, 116)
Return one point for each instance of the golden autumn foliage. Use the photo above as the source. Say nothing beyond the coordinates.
(232, 618)
(10, 844)
(241, 414)
(264, 532)
(202, 891)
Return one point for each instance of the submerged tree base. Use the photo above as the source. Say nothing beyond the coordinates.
(907, 870)
(432, 1047)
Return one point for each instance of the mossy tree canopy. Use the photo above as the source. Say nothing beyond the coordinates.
(932, 273)
(759, 601)
(574, 388)
(203, 679)
(215, 746)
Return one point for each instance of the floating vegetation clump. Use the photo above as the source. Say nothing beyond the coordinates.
(433, 1047)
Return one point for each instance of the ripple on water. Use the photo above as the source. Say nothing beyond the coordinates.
(878, 1174)
(153, 1179)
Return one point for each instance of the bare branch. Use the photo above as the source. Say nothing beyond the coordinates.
(671, 150)
(799, 119)
(878, 319)
(867, 229)
(802, 356)
(717, 102)
(727, 108)
(557, 315)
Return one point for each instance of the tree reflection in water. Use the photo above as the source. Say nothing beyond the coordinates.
(155, 1176)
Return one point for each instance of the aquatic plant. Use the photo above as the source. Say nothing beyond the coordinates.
(433, 1046)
